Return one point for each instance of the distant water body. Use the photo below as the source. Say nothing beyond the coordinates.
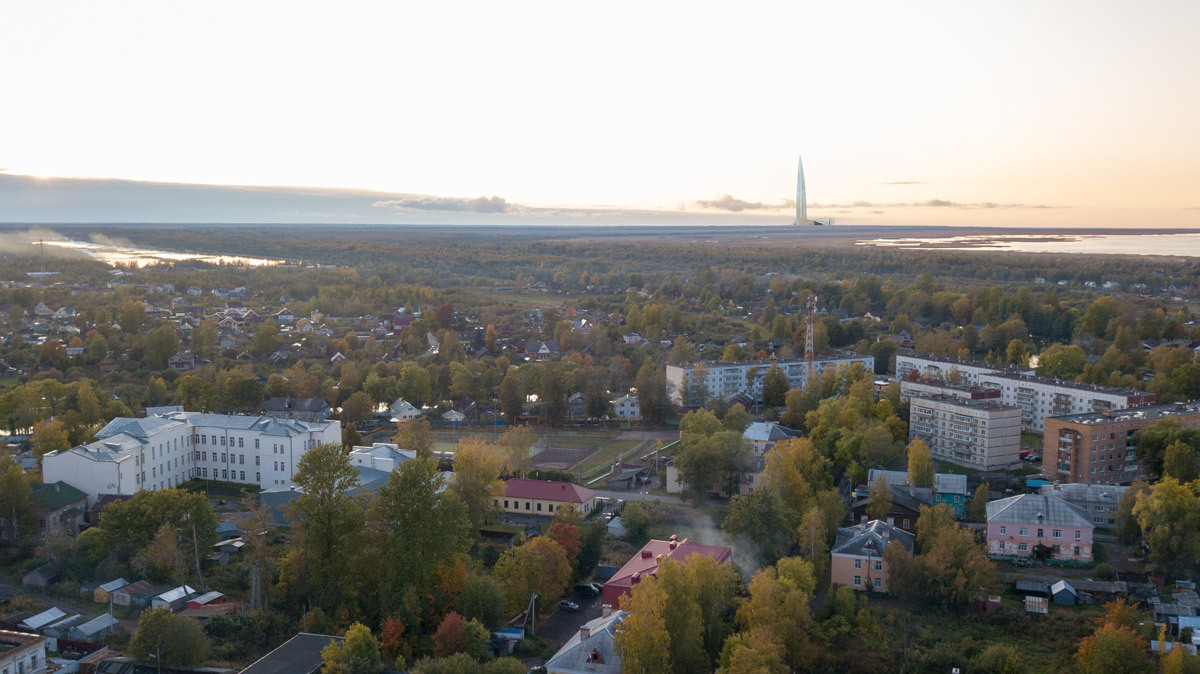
(1182, 244)
(123, 255)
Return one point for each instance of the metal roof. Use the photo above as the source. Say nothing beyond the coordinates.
(1037, 509)
(870, 538)
(944, 483)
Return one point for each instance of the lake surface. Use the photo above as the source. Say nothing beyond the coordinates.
(117, 254)
(1181, 244)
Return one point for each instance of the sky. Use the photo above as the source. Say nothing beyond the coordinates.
(1021, 113)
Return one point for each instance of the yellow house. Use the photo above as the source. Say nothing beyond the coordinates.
(543, 497)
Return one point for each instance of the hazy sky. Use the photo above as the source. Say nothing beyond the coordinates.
(1021, 113)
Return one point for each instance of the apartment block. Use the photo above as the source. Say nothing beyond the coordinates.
(1097, 447)
(925, 388)
(705, 380)
(1037, 397)
(162, 451)
(981, 434)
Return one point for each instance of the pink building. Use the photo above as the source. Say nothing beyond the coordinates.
(1039, 526)
(857, 555)
(645, 563)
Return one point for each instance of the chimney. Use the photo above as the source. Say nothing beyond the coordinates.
(584, 632)
(635, 579)
(605, 610)
(645, 554)
(673, 545)
(673, 537)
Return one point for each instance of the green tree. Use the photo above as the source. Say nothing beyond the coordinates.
(14, 498)
(265, 339)
(1128, 529)
(757, 519)
(999, 659)
(651, 386)
(87, 403)
(636, 521)
(156, 392)
(1179, 462)
(359, 653)
(161, 344)
(880, 500)
(553, 399)
(167, 638)
(133, 316)
(1062, 362)
(162, 560)
(1151, 442)
(511, 400)
(1016, 353)
(737, 419)
(357, 407)
(49, 436)
(775, 387)
(329, 515)
(977, 508)
(1168, 514)
(921, 472)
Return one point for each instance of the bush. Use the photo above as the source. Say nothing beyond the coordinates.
(1099, 552)
(1104, 571)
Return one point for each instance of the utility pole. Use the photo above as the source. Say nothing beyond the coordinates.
(808, 337)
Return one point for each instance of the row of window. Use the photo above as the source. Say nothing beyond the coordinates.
(878, 564)
(1024, 531)
(877, 582)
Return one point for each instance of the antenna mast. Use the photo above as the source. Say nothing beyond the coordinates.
(808, 336)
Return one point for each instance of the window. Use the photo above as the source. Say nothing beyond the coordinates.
(1077, 535)
(1057, 533)
(1023, 532)
(243, 474)
(1003, 529)
(256, 443)
(222, 440)
(878, 583)
(505, 503)
(242, 459)
(241, 443)
(879, 566)
(539, 507)
(906, 524)
(857, 581)
(527, 505)
(858, 563)
(224, 474)
(258, 477)
(1041, 533)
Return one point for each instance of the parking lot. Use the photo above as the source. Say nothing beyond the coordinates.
(560, 626)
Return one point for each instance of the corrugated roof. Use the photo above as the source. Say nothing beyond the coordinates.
(54, 495)
(763, 431)
(595, 653)
(97, 625)
(944, 483)
(50, 615)
(175, 594)
(1037, 509)
(114, 585)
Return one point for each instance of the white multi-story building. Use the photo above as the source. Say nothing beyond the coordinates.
(980, 434)
(162, 451)
(705, 380)
(627, 407)
(1036, 397)
(22, 653)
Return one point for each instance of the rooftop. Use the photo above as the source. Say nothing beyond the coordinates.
(591, 649)
(1037, 509)
(765, 431)
(545, 490)
(646, 562)
(990, 404)
(1078, 491)
(1151, 413)
(944, 483)
(870, 538)
(53, 496)
(834, 357)
(299, 655)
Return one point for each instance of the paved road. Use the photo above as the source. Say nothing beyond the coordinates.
(559, 627)
(639, 496)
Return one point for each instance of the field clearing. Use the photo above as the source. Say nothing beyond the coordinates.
(603, 457)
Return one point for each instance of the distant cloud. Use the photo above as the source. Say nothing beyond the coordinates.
(727, 202)
(904, 182)
(456, 204)
(876, 212)
(1192, 208)
(936, 203)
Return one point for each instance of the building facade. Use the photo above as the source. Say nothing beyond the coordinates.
(1097, 501)
(981, 434)
(856, 559)
(1097, 448)
(948, 488)
(22, 653)
(544, 497)
(1037, 397)
(687, 384)
(161, 452)
(1038, 526)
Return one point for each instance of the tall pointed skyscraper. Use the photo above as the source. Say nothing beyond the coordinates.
(801, 198)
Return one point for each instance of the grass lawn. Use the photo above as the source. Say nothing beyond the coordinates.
(9, 381)
(604, 456)
(1031, 439)
(947, 467)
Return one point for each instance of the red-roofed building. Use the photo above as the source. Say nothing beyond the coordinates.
(646, 561)
(543, 497)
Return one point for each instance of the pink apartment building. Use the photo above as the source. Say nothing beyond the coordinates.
(1041, 526)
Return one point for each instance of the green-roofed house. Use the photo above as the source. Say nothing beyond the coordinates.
(58, 506)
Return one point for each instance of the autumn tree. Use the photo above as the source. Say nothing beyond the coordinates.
(416, 435)
(778, 604)
(642, 638)
(567, 536)
(538, 566)
(358, 653)
(162, 560)
(517, 445)
(477, 467)
(775, 387)
(161, 344)
(511, 400)
(1179, 462)
(49, 436)
(1112, 649)
(1128, 529)
(456, 634)
(977, 507)
(920, 464)
(651, 386)
(14, 498)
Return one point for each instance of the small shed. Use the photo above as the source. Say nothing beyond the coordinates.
(174, 599)
(617, 528)
(136, 594)
(205, 599)
(41, 576)
(1037, 588)
(60, 629)
(1063, 593)
(36, 623)
(94, 628)
(232, 545)
(101, 593)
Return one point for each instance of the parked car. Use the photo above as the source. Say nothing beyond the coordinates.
(565, 605)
